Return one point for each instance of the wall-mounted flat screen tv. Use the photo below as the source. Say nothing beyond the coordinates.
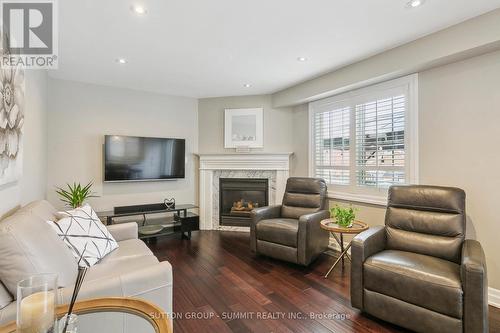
(130, 158)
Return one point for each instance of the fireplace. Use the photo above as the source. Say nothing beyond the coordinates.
(237, 198)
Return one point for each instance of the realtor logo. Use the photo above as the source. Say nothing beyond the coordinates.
(29, 33)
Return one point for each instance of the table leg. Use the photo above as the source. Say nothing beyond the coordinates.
(340, 244)
(336, 237)
(338, 259)
(342, 247)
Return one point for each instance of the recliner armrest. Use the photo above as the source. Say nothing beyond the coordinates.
(123, 231)
(363, 246)
(314, 217)
(475, 286)
(312, 240)
(369, 242)
(259, 214)
(264, 213)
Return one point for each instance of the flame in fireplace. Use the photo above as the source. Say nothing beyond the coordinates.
(243, 207)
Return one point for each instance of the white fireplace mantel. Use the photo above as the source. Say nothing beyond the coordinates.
(274, 165)
(257, 161)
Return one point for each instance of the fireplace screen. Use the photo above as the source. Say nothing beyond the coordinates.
(238, 196)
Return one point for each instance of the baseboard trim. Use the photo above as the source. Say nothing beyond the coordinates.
(237, 229)
(493, 294)
(494, 297)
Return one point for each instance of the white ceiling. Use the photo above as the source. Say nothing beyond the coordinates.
(205, 48)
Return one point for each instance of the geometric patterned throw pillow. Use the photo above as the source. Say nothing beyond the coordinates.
(84, 233)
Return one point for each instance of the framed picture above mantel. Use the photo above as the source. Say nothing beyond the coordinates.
(244, 128)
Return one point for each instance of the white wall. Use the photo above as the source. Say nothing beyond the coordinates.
(300, 158)
(459, 116)
(79, 117)
(278, 134)
(32, 185)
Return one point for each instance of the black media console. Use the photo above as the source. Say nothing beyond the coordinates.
(183, 221)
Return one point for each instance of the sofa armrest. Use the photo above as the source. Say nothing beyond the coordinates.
(312, 240)
(475, 286)
(363, 246)
(259, 214)
(124, 231)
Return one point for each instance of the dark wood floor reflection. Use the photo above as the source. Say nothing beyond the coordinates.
(219, 286)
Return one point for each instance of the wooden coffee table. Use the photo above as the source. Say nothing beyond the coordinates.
(331, 226)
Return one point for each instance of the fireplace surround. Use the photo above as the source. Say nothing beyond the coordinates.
(271, 166)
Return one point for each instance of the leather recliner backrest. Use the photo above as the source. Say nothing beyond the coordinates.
(428, 220)
(303, 196)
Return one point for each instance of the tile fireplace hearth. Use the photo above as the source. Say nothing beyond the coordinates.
(270, 167)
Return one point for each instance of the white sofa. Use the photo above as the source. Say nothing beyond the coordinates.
(28, 246)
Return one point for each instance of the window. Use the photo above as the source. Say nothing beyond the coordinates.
(366, 140)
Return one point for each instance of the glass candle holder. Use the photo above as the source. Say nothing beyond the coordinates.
(71, 327)
(36, 303)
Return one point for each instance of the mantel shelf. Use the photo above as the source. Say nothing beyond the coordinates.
(244, 154)
(254, 161)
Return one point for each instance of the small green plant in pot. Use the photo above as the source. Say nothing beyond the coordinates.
(76, 194)
(343, 216)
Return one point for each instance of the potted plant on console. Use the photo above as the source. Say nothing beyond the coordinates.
(74, 196)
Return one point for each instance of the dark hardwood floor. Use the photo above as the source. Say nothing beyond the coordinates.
(219, 286)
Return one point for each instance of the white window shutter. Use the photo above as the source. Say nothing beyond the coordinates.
(332, 145)
(380, 142)
(366, 140)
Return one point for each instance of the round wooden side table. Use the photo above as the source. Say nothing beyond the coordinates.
(331, 226)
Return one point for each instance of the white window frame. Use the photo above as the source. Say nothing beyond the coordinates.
(352, 192)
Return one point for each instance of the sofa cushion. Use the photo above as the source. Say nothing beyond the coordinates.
(8, 314)
(29, 246)
(120, 267)
(280, 231)
(425, 281)
(5, 296)
(84, 233)
(131, 255)
(42, 209)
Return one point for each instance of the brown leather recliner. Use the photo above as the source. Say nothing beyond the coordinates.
(418, 271)
(292, 231)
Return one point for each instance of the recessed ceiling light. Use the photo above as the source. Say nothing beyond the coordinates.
(415, 3)
(247, 85)
(139, 9)
(121, 61)
(301, 59)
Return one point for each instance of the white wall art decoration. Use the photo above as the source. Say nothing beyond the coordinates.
(244, 128)
(11, 123)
